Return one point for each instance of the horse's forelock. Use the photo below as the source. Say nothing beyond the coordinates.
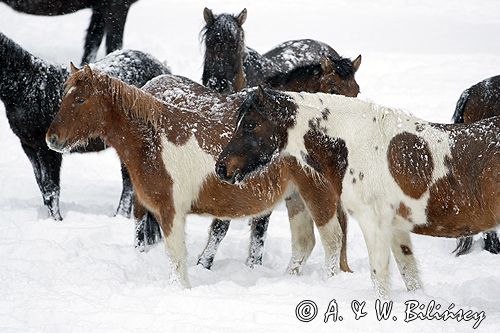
(343, 67)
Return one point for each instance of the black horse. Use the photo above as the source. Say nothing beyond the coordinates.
(108, 17)
(230, 66)
(31, 90)
(480, 101)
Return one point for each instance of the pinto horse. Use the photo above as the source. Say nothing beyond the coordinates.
(394, 173)
(300, 65)
(170, 149)
(480, 101)
(31, 90)
(108, 17)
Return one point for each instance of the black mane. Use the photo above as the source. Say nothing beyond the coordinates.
(343, 67)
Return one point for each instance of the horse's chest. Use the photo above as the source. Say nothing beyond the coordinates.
(189, 166)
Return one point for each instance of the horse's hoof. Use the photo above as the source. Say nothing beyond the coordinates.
(491, 242)
(205, 262)
(251, 262)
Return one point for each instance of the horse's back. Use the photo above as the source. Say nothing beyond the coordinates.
(131, 66)
(480, 101)
(48, 7)
(295, 53)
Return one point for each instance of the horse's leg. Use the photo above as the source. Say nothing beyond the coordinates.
(301, 227)
(175, 245)
(402, 249)
(125, 204)
(378, 237)
(257, 238)
(115, 26)
(216, 234)
(463, 245)
(47, 165)
(343, 220)
(95, 32)
(147, 229)
(491, 242)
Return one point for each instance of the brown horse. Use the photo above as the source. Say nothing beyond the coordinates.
(329, 75)
(392, 171)
(170, 152)
(480, 101)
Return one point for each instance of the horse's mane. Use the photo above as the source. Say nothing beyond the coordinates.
(343, 67)
(135, 103)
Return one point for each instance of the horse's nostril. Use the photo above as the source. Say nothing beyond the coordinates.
(221, 171)
(53, 139)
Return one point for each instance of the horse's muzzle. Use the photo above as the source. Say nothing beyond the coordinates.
(221, 171)
(54, 143)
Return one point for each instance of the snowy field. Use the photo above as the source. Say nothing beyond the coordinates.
(83, 274)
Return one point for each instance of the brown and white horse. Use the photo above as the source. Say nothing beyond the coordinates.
(170, 152)
(394, 173)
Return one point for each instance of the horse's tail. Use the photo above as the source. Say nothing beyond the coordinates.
(344, 265)
(463, 245)
(458, 116)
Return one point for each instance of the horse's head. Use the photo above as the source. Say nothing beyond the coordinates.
(260, 135)
(224, 51)
(337, 76)
(82, 114)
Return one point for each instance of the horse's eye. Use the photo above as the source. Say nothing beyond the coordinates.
(250, 126)
(79, 100)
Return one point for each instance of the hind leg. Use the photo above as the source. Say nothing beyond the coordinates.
(95, 32)
(47, 165)
(491, 242)
(115, 26)
(402, 250)
(216, 234)
(125, 204)
(257, 238)
(301, 227)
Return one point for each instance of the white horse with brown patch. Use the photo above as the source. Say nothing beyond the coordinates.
(394, 173)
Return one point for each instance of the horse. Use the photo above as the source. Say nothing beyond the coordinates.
(108, 18)
(169, 147)
(31, 90)
(393, 172)
(229, 66)
(330, 75)
(480, 101)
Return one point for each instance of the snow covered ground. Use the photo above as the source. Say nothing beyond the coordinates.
(83, 274)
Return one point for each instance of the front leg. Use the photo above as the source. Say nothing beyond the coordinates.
(95, 32)
(216, 234)
(402, 249)
(115, 25)
(491, 242)
(173, 225)
(147, 229)
(47, 166)
(125, 204)
(257, 238)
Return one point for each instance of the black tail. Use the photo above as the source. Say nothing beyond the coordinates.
(458, 116)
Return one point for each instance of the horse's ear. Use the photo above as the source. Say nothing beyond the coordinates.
(261, 94)
(242, 17)
(208, 15)
(73, 68)
(326, 64)
(356, 62)
(88, 72)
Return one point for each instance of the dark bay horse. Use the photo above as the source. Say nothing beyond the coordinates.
(300, 65)
(394, 173)
(480, 101)
(108, 18)
(31, 90)
(170, 148)
(230, 66)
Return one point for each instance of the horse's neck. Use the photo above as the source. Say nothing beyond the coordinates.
(24, 76)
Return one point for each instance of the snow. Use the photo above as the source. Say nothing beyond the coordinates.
(83, 274)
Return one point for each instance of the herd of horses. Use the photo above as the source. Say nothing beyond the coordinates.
(261, 129)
